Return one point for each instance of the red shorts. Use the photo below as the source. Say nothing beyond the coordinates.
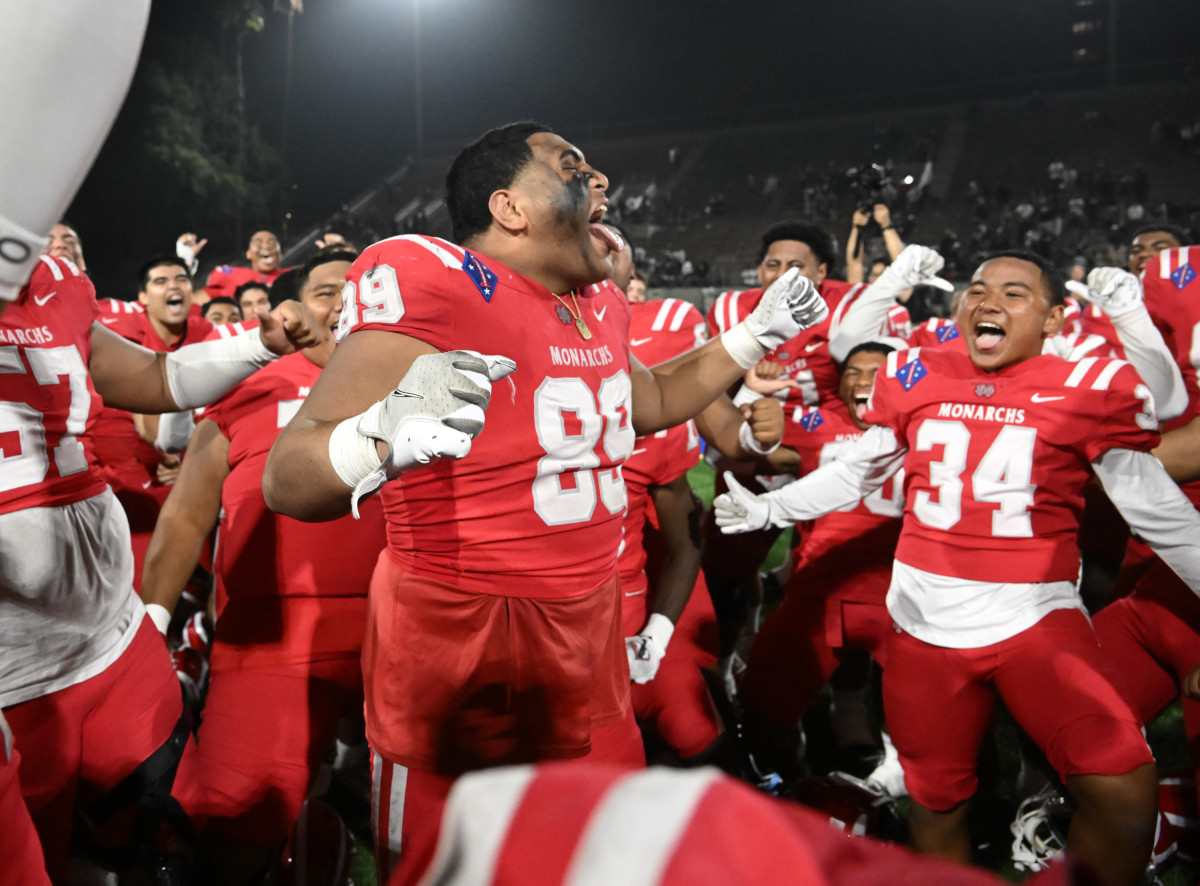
(801, 644)
(269, 719)
(939, 701)
(19, 844)
(457, 681)
(83, 740)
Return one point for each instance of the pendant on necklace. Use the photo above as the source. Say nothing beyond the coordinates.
(582, 327)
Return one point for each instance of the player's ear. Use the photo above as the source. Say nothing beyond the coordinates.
(822, 271)
(142, 296)
(1054, 321)
(507, 211)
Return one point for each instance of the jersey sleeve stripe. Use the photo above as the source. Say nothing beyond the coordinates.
(893, 364)
(731, 317)
(1106, 375)
(1079, 372)
(660, 319)
(53, 266)
(680, 314)
(436, 247)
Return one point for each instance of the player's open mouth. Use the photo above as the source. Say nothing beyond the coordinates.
(268, 257)
(988, 336)
(860, 405)
(174, 301)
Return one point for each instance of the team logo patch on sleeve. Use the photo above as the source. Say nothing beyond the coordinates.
(225, 269)
(1183, 275)
(481, 275)
(911, 373)
(812, 421)
(947, 333)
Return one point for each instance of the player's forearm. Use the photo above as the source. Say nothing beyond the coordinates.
(299, 480)
(891, 239)
(1179, 452)
(672, 586)
(1155, 508)
(681, 388)
(1149, 355)
(171, 559)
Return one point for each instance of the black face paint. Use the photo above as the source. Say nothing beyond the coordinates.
(573, 198)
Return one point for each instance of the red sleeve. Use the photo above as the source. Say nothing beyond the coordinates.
(885, 407)
(1123, 417)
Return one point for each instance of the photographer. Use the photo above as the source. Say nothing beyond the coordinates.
(854, 249)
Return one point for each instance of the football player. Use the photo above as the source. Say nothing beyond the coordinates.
(263, 253)
(996, 448)
(494, 630)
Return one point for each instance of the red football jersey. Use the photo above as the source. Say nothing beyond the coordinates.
(49, 400)
(535, 510)
(1083, 321)
(997, 461)
(223, 281)
(261, 553)
(938, 332)
(863, 532)
(1171, 283)
(658, 331)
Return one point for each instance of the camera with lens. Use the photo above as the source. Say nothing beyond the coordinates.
(870, 184)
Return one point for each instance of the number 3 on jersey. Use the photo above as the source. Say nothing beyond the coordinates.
(570, 423)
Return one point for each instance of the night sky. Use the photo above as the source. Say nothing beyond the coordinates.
(585, 66)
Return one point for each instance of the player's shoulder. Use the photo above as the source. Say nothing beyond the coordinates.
(418, 257)
(1173, 269)
(1089, 375)
(221, 272)
(910, 365)
(668, 314)
(53, 274)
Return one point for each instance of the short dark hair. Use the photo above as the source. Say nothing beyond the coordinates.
(157, 262)
(284, 287)
(1051, 276)
(219, 300)
(1178, 233)
(246, 287)
(489, 163)
(866, 347)
(811, 236)
(321, 258)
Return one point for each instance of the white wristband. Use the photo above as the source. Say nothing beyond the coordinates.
(352, 455)
(659, 628)
(742, 346)
(201, 373)
(746, 438)
(20, 250)
(159, 615)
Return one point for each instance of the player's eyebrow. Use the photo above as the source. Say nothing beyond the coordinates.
(571, 154)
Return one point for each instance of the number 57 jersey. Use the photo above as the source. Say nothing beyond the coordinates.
(535, 509)
(997, 461)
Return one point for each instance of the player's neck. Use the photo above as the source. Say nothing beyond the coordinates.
(520, 255)
(169, 333)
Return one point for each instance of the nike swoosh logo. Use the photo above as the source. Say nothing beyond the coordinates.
(406, 394)
(636, 342)
(146, 485)
(634, 593)
(108, 320)
(1038, 398)
(600, 313)
(808, 349)
(45, 298)
(636, 451)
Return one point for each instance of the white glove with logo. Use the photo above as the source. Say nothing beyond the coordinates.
(790, 305)
(915, 266)
(740, 510)
(435, 412)
(1114, 290)
(647, 648)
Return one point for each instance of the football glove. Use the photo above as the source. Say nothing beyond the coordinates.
(790, 305)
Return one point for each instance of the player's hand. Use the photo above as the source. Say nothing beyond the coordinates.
(187, 248)
(330, 239)
(764, 421)
(766, 378)
(1191, 684)
(739, 509)
(168, 468)
(1114, 290)
(860, 218)
(916, 265)
(288, 327)
(789, 306)
(435, 412)
(646, 650)
(883, 217)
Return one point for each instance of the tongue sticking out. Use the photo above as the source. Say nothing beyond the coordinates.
(860, 408)
(609, 237)
(985, 341)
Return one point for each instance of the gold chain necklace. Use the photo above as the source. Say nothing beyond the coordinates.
(576, 315)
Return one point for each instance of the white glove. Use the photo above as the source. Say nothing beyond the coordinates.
(435, 412)
(740, 510)
(915, 266)
(646, 650)
(1114, 290)
(789, 306)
